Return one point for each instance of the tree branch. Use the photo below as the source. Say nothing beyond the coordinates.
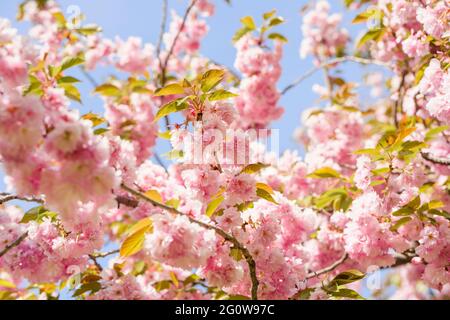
(14, 244)
(227, 237)
(175, 40)
(159, 160)
(429, 157)
(10, 197)
(90, 78)
(329, 63)
(327, 269)
(162, 31)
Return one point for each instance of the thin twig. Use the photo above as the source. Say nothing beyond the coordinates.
(10, 197)
(90, 78)
(162, 31)
(327, 269)
(398, 104)
(13, 244)
(94, 259)
(431, 158)
(248, 257)
(105, 254)
(160, 162)
(329, 63)
(175, 40)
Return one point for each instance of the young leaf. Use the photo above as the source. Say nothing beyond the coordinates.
(170, 89)
(277, 36)
(213, 205)
(264, 194)
(276, 21)
(254, 168)
(248, 22)
(348, 276)
(133, 243)
(171, 107)
(94, 118)
(70, 62)
(325, 172)
(221, 95)
(108, 90)
(375, 35)
(154, 195)
(67, 79)
(71, 92)
(211, 78)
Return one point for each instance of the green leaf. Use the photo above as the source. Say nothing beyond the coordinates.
(165, 135)
(7, 284)
(348, 276)
(347, 293)
(405, 211)
(100, 131)
(70, 62)
(240, 33)
(68, 79)
(254, 168)
(248, 22)
(432, 133)
(174, 154)
(162, 285)
(381, 171)
(135, 240)
(236, 254)
(269, 14)
(276, 21)
(264, 194)
(94, 118)
(35, 87)
(171, 107)
(108, 90)
(221, 95)
(88, 30)
(71, 92)
(211, 78)
(170, 89)
(375, 35)
(277, 36)
(400, 223)
(238, 297)
(91, 287)
(366, 15)
(325, 172)
(59, 18)
(213, 205)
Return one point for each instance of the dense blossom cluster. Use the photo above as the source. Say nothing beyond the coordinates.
(228, 218)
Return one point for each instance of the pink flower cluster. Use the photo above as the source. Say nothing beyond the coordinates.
(46, 255)
(322, 36)
(434, 86)
(258, 96)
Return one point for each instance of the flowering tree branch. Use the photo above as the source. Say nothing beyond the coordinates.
(227, 237)
(331, 62)
(5, 197)
(14, 244)
(431, 158)
(161, 31)
(172, 46)
(327, 269)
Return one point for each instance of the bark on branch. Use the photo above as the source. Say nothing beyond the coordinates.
(330, 63)
(227, 237)
(429, 157)
(13, 244)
